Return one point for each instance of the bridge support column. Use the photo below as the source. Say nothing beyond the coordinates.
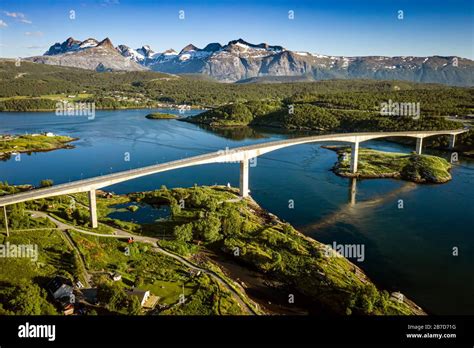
(419, 145)
(6, 219)
(244, 178)
(352, 191)
(93, 208)
(354, 157)
(452, 141)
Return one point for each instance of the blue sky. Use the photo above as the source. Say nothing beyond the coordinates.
(341, 27)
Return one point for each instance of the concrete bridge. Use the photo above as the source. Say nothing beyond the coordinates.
(241, 155)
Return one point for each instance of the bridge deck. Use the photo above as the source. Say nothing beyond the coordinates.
(237, 154)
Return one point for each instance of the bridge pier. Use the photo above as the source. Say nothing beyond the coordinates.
(419, 145)
(452, 141)
(354, 156)
(352, 191)
(93, 208)
(244, 178)
(6, 219)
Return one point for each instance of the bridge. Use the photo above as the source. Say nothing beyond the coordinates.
(240, 155)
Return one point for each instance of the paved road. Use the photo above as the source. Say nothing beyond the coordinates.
(120, 234)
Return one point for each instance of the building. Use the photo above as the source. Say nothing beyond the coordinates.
(142, 295)
(397, 296)
(60, 287)
(116, 277)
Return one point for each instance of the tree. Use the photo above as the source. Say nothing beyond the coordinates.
(183, 233)
(46, 183)
(175, 208)
(112, 295)
(232, 223)
(30, 299)
(138, 281)
(208, 228)
(134, 306)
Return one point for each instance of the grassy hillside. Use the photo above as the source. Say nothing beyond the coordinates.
(212, 219)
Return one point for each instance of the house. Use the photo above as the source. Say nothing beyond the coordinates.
(142, 295)
(116, 277)
(68, 309)
(49, 134)
(60, 287)
(397, 296)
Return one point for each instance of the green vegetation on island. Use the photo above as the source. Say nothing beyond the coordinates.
(160, 116)
(380, 164)
(10, 144)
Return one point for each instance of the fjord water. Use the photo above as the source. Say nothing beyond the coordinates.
(409, 249)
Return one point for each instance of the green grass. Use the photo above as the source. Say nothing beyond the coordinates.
(169, 292)
(27, 143)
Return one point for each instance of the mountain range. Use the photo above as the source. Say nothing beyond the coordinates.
(241, 61)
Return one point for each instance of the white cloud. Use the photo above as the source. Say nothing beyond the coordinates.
(34, 33)
(18, 16)
(110, 2)
(36, 47)
(3, 24)
(14, 14)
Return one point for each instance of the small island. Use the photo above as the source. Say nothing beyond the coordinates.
(379, 164)
(13, 144)
(160, 116)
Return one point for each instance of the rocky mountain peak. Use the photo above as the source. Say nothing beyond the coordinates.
(212, 47)
(241, 60)
(188, 48)
(106, 43)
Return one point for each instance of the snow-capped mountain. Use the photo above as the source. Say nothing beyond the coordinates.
(130, 53)
(88, 54)
(240, 60)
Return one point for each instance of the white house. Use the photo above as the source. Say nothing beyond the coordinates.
(142, 295)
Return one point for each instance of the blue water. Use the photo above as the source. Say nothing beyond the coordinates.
(407, 249)
(145, 214)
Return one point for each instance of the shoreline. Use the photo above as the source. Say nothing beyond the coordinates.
(62, 145)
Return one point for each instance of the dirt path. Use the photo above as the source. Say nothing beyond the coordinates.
(120, 234)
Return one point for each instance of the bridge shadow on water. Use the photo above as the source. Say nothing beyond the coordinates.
(353, 210)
